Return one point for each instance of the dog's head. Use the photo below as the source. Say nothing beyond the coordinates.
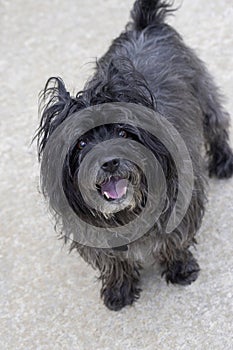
(120, 184)
(117, 180)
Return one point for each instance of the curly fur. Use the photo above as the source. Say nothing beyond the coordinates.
(149, 65)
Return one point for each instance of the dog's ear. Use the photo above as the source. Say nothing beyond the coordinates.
(56, 105)
(119, 81)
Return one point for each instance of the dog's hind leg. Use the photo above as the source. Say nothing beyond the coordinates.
(217, 146)
(216, 125)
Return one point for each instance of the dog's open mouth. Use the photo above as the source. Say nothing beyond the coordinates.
(114, 188)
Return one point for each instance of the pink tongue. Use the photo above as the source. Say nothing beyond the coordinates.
(114, 188)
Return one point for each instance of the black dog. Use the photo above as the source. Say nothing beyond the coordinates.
(148, 65)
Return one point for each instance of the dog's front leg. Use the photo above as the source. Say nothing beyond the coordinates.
(180, 267)
(119, 283)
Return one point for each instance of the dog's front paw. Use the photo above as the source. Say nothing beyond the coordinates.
(115, 298)
(183, 273)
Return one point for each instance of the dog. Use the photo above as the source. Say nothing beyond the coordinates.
(148, 66)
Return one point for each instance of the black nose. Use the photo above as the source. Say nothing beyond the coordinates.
(111, 165)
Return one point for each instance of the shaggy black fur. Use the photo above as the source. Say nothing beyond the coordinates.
(149, 65)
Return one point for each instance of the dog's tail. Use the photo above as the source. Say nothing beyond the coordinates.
(149, 12)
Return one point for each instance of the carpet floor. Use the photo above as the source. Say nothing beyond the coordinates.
(50, 299)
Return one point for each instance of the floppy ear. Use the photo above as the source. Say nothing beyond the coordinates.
(119, 81)
(56, 105)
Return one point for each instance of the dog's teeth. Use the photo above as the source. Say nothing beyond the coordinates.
(106, 195)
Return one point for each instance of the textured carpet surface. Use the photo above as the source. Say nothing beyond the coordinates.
(49, 299)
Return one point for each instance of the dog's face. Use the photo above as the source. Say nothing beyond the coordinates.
(114, 178)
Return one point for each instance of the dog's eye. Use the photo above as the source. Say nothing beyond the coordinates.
(81, 144)
(122, 133)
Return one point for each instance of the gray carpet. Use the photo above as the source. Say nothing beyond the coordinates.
(49, 299)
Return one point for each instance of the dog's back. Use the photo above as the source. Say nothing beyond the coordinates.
(150, 57)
